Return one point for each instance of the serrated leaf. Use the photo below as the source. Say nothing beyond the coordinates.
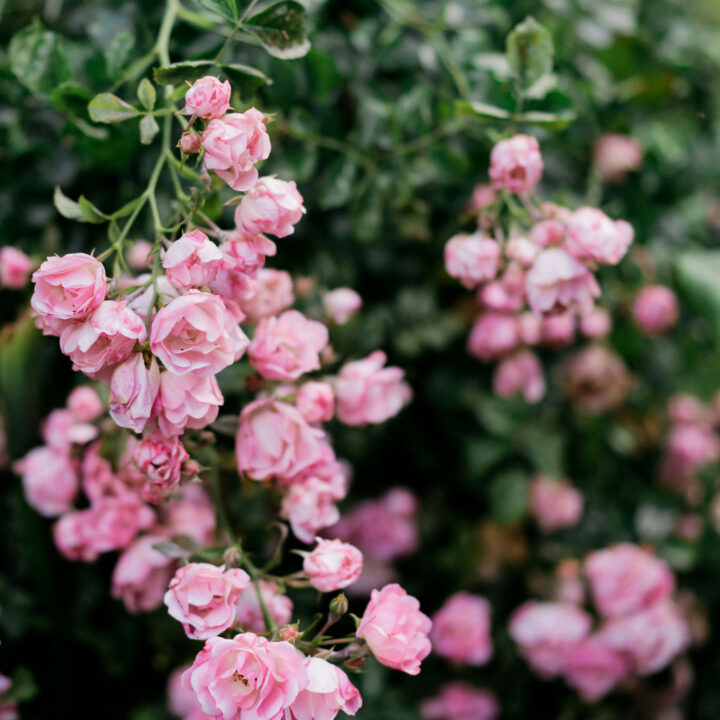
(483, 110)
(529, 50)
(282, 29)
(147, 94)
(66, 207)
(244, 78)
(108, 108)
(148, 129)
(37, 59)
(337, 185)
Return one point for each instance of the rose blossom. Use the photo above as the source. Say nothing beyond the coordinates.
(316, 401)
(208, 98)
(247, 253)
(247, 678)
(192, 260)
(460, 701)
(15, 268)
(367, 392)
(548, 232)
(138, 255)
(49, 480)
(522, 250)
(133, 389)
(71, 537)
(309, 504)
(554, 504)
(558, 330)
(182, 701)
(519, 374)
(461, 630)
(249, 614)
(84, 404)
(191, 512)
(516, 164)
(625, 578)
(395, 630)
(472, 259)
(98, 478)
(271, 206)
(272, 293)
(558, 279)
(597, 324)
(341, 304)
(615, 155)
(288, 346)
(190, 335)
(547, 632)
(592, 235)
(141, 575)
(234, 144)
(594, 667)
(333, 565)
(105, 338)
(483, 196)
(493, 334)
(160, 460)
(60, 431)
(186, 401)
(656, 310)
(328, 691)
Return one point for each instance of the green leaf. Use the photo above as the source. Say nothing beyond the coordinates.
(482, 110)
(90, 213)
(338, 182)
(181, 72)
(148, 129)
(529, 50)
(282, 29)
(70, 97)
(508, 497)
(551, 121)
(127, 208)
(698, 272)
(37, 59)
(117, 52)
(226, 8)
(146, 94)
(82, 210)
(107, 108)
(244, 78)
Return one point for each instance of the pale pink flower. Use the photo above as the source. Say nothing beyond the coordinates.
(367, 392)
(272, 293)
(248, 612)
(15, 268)
(615, 155)
(548, 232)
(49, 481)
(271, 206)
(160, 460)
(186, 401)
(341, 304)
(234, 145)
(554, 504)
(190, 335)
(327, 693)
(85, 404)
(460, 701)
(71, 536)
(133, 390)
(316, 401)
(493, 334)
(594, 667)
(558, 331)
(309, 504)
(472, 259)
(597, 324)
(208, 98)
(395, 629)
(522, 250)
(684, 408)
(247, 253)
(547, 632)
(516, 164)
(68, 287)
(530, 328)
(142, 574)
(57, 430)
(274, 440)
(625, 578)
(519, 374)
(138, 255)
(98, 478)
(689, 448)
(656, 310)
(288, 346)
(461, 630)
(557, 279)
(333, 565)
(203, 597)
(191, 512)
(247, 677)
(592, 235)
(483, 196)
(193, 260)
(182, 701)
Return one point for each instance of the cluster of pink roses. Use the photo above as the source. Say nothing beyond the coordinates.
(640, 628)
(535, 285)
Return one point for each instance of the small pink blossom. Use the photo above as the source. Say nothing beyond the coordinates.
(160, 460)
(60, 431)
(493, 334)
(460, 701)
(191, 512)
(522, 250)
(558, 331)
(182, 701)
(272, 293)
(516, 164)
(85, 404)
(483, 196)
(249, 614)
(133, 390)
(193, 260)
(594, 667)
(247, 253)
(472, 259)
(548, 232)
(333, 565)
(529, 328)
(138, 255)
(519, 374)
(461, 630)
(271, 206)
(597, 324)
(615, 155)
(327, 693)
(341, 304)
(186, 401)
(554, 504)
(15, 268)
(592, 235)
(208, 98)
(316, 401)
(49, 481)
(98, 478)
(656, 310)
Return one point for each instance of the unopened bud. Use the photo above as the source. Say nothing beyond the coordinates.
(190, 143)
(190, 468)
(338, 606)
(289, 633)
(232, 557)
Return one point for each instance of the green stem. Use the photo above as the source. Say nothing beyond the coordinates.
(270, 624)
(237, 27)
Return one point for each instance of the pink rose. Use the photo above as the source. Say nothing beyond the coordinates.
(548, 232)
(272, 293)
(208, 98)
(519, 374)
(592, 235)
(460, 701)
(341, 304)
(203, 597)
(685, 408)
(141, 575)
(274, 440)
(472, 259)
(506, 294)
(615, 155)
(15, 268)
(234, 145)
(558, 331)
(191, 335)
(625, 578)
(49, 480)
(133, 389)
(547, 632)
(461, 630)
(246, 254)
(98, 478)
(191, 512)
(367, 392)
(557, 279)
(182, 701)
(138, 255)
(333, 565)
(85, 404)
(288, 346)
(160, 460)
(597, 324)
(248, 612)
(270, 206)
(271, 676)
(594, 667)
(309, 504)
(60, 431)
(193, 260)
(316, 401)
(656, 310)
(186, 401)
(493, 334)
(554, 504)
(105, 338)
(71, 537)
(516, 164)
(483, 196)
(68, 287)
(529, 328)
(327, 693)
